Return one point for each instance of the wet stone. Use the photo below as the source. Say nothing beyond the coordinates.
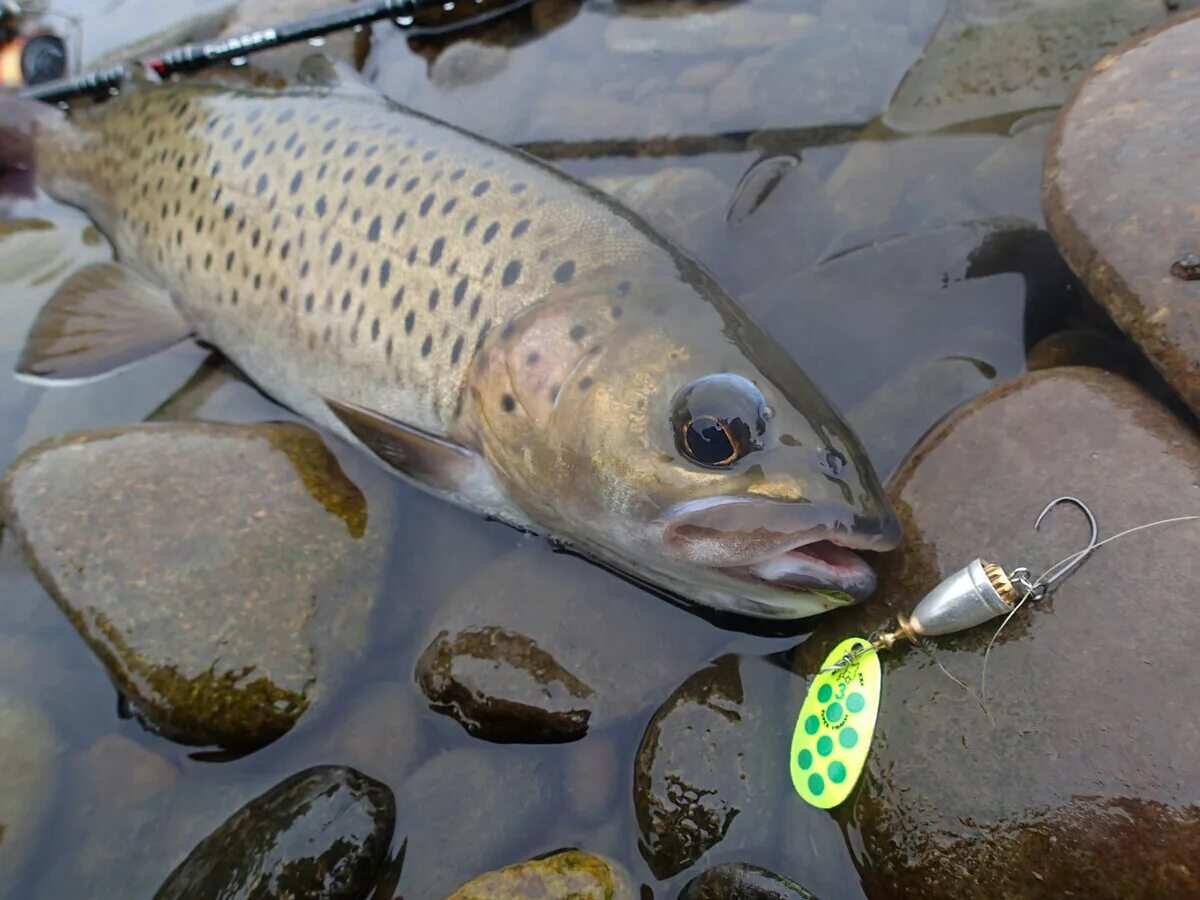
(1120, 188)
(28, 772)
(321, 834)
(544, 648)
(571, 874)
(222, 573)
(739, 881)
(1085, 780)
(733, 27)
(467, 62)
(996, 57)
(707, 768)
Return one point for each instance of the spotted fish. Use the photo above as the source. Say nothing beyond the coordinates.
(498, 333)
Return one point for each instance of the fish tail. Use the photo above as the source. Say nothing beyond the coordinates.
(20, 121)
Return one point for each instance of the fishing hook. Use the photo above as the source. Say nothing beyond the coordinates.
(1038, 589)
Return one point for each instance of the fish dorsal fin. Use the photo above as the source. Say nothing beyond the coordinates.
(102, 318)
(433, 461)
(319, 71)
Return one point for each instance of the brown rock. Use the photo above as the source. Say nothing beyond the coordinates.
(1121, 187)
(570, 875)
(222, 573)
(1083, 777)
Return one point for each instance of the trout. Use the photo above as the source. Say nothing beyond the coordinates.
(498, 333)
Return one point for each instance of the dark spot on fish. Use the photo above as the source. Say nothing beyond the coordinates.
(508, 403)
(257, 280)
(229, 261)
(375, 329)
(622, 288)
(291, 140)
(617, 312)
(320, 206)
(331, 124)
(255, 237)
(584, 383)
(374, 228)
(520, 228)
(518, 187)
(412, 254)
(508, 331)
(433, 299)
(297, 180)
(490, 232)
(481, 188)
(327, 334)
(199, 224)
(449, 205)
(457, 174)
(351, 149)
(400, 219)
(227, 131)
(309, 300)
(409, 321)
(304, 269)
(388, 348)
(336, 254)
(329, 145)
(470, 225)
(475, 304)
(411, 183)
(233, 297)
(460, 291)
(391, 180)
(565, 272)
(249, 158)
(385, 272)
(300, 151)
(321, 170)
(365, 277)
(430, 155)
(284, 248)
(207, 261)
(577, 333)
(435, 250)
(398, 299)
(283, 295)
(195, 183)
(373, 175)
(427, 204)
(427, 345)
(511, 273)
(347, 175)
(346, 301)
(261, 185)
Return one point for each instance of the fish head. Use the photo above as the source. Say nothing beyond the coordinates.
(690, 451)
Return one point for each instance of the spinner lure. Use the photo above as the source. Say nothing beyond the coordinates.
(837, 720)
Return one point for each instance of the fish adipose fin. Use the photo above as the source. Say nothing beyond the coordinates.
(433, 461)
(102, 318)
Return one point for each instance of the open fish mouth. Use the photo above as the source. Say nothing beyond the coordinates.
(791, 546)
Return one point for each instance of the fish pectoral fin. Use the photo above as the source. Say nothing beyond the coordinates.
(102, 318)
(433, 461)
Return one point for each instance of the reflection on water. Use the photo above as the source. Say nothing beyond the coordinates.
(906, 275)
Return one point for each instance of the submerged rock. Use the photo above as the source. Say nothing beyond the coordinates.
(1083, 777)
(707, 758)
(1120, 189)
(739, 881)
(541, 647)
(321, 834)
(222, 573)
(466, 811)
(570, 875)
(28, 772)
(683, 202)
(996, 57)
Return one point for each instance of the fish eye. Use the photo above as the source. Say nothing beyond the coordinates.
(718, 419)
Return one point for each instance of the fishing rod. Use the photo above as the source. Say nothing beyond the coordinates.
(191, 57)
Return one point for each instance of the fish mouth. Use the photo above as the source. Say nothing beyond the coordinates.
(803, 547)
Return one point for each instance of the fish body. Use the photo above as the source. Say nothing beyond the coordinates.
(499, 333)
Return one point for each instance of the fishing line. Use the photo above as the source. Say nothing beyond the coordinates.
(1066, 562)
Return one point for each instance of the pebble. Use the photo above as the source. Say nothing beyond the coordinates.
(28, 774)
(570, 875)
(222, 573)
(707, 769)
(543, 647)
(739, 881)
(1081, 779)
(321, 834)
(1120, 187)
(1001, 57)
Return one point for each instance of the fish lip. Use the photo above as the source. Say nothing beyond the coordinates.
(790, 546)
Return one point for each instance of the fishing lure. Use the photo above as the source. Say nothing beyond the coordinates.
(837, 720)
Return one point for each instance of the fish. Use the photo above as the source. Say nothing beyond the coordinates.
(498, 333)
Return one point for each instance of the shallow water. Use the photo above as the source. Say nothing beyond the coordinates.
(956, 285)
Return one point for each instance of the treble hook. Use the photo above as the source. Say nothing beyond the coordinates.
(1037, 590)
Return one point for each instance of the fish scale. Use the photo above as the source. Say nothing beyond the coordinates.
(343, 231)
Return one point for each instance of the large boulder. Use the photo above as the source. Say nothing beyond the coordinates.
(222, 573)
(1120, 194)
(1082, 775)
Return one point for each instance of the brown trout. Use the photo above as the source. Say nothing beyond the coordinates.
(498, 333)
